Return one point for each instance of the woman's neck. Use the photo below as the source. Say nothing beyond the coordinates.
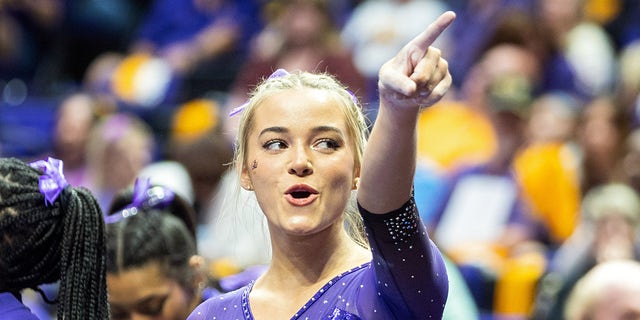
(299, 267)
(305, 261)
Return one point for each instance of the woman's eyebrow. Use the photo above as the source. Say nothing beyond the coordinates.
(273, 129)
(320, 129)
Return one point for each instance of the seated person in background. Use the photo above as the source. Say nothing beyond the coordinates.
(119, 146)
(610, 290)
(50, 232)
(608, 230)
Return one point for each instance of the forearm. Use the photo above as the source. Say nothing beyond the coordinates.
(389, 161)
(416, 77)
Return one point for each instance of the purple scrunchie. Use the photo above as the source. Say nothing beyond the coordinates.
(52, 182)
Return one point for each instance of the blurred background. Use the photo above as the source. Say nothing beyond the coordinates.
(529, 169)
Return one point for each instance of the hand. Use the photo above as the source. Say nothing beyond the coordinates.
(417, 76)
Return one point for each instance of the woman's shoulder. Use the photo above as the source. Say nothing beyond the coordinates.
(231, 296)
(230, 304)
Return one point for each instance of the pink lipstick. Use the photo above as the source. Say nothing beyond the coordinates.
(301, 195)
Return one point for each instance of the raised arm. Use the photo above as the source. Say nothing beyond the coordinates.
(415, 78)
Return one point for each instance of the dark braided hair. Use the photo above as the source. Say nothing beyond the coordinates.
(42, 243)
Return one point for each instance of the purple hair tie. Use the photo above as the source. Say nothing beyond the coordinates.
(52, 182)
(276, 74)
(145, 197)
(140, 188)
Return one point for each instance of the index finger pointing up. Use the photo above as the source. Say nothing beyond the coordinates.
(433, 31)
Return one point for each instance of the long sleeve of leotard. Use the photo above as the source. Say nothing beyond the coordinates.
(410, 273)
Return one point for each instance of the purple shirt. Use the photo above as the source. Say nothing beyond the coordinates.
(12, 309)
(406, 279)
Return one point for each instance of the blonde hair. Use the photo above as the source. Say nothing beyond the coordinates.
(346, 102)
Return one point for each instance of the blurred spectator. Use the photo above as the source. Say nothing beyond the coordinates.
(298, 35)
(373, 43)
(197, 142)
(479, 182)
(142, 82)
(203, 41)
(629, 165)
(503, 80)
(75, 120)
(88, 29)
(97, 81)
(551, 154)
(524, 28)
(628, 86)
(585, 44)
(601, 134)
(120, 145)
(608, 230)
(484, 24)
(610, 290)
(27, 31)
(475, 24)
(553, 118)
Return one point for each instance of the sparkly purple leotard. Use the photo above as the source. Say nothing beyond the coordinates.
(406, 279)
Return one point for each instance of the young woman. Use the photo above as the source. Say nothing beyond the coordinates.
(301, 149)
(50, 232)
(152, 266)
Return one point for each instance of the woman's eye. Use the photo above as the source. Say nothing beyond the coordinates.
(274, 145)
(327, 144)
(152, 309)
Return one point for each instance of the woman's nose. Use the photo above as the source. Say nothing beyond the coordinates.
(301, 162)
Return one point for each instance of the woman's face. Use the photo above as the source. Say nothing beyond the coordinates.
(146, 293)
(300, 161)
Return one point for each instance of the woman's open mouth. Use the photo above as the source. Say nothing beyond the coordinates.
(301, 195)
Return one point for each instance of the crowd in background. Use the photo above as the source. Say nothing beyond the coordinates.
(528, 171)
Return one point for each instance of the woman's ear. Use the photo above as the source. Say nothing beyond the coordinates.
(245, 180)
(356, 179)
(198, 265)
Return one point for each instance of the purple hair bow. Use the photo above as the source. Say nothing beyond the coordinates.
(145, 197)
(276, 74)
(52, 182)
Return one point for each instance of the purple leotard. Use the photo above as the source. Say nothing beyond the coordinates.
(406, 279)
